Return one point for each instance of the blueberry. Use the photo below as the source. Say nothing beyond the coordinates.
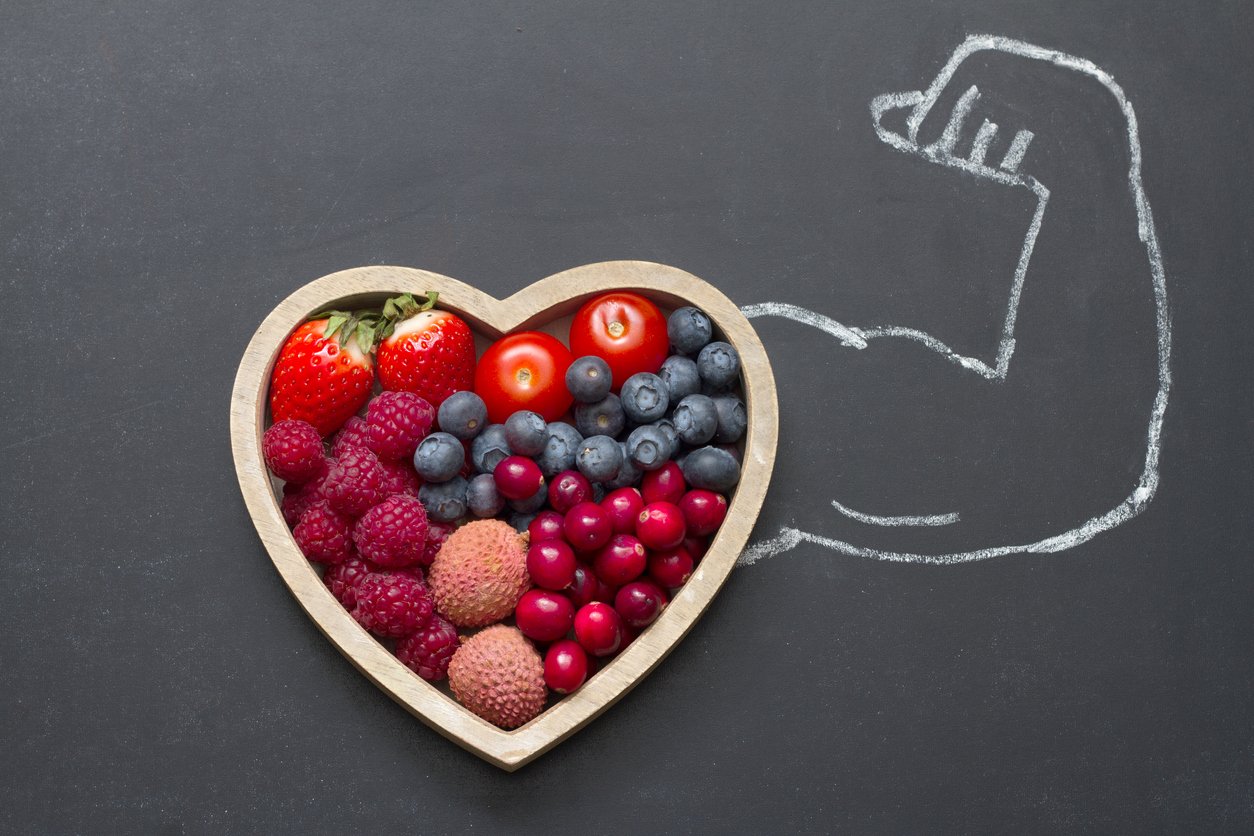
(439, 457)
(718, 364)
(463, 415)
(532, 503)
(648, 447)
(489, 447)
(520, 522)
(696, 420)
(644, 398)
(628, 474)
(559, 451)
(605, 417)
(711, 468)
(482, 496)
(689, 330)
(526, 432)
(588, 379)
(445, 501)
(672, 437)
(680, 376)
(732, 419)
(599, 458)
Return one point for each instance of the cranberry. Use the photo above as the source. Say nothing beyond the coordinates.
(568, 489)
(583, 589)
(623, 506)
(630, 634)
(621, 561)
(704, 511)
(598, 628)
(518, 477)
(639, 603)
(696, 547)
(551, 564)
(660, 525)
(605, 592)
(670, 568)
(666, 484)
(587, 527)
(547, 525)
(565, 666)
(544, 616)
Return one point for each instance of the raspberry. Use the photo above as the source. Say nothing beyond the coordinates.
(293, 450)
(342, 579)
(323, 535)
(393, 533)
(428, 652)
(400, 477)
(392, 604)
(437, 533)
(397, 422)
(352, 434)
(355, 482)
(297, 499)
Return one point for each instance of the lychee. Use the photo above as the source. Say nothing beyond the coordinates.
(498, 675)
(480, 573)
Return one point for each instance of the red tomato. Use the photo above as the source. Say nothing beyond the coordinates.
(526, 370)
(625, 329)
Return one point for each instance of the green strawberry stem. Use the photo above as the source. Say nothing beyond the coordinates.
(399, 308)
(361, 325)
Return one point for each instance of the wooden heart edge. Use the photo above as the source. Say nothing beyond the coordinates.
(547, 299)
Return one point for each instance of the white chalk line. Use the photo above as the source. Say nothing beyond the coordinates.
(876, 519)
(922, 102)
(983, 138)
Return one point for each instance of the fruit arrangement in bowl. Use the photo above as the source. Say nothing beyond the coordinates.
(506, 515)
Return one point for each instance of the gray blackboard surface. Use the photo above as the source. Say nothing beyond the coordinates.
(1003, 580)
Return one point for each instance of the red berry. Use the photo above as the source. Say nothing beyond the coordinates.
(630, 634)
(598, 628)
(352, 434)
(297, 499)
(323, 378)
(428, 652)
(583, 589)
(392, 604)
(696, 547)
(704, 511)
(547, 525)
(429, 352)
(437, 533)
(400, 477)
(397, 423)
(672, 568)
(293, 451)
(565, 666)
(621, 561)
(551, 564)
(639, 603)
(660, 525)
(623, 505)
(393, 533)
(518, 477)
(605, 592)
(342, 579)
(568, 489)
(544, 616)
(324, 535)
(666, 484)
(587, 527)
(355, 482)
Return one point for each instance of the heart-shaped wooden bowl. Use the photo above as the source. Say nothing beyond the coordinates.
(547, 300)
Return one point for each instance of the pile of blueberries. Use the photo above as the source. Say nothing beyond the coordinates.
(691, 412)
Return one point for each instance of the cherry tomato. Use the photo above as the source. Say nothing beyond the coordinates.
(526, 370)
(625, 329)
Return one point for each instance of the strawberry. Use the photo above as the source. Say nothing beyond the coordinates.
(428, 352)
(324, 373)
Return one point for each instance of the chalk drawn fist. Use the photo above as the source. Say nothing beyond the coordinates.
(999, 385)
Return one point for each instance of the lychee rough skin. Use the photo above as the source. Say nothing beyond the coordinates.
(498, 675)
(480, 573)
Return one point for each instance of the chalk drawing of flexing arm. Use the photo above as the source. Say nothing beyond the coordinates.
(950, 132)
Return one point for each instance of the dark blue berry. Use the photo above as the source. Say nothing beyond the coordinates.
(463, 415)
(711, 468)
(445, 501)
(526, 432)
(732, 419)
(589, 379)
(628, 474)
(696, 420)
(644, 398)
(599, 458)
(559, 450)
(605, 417)
(520, 522)
(532, 503)
(439, 457)
(648, 447)
(668, 429)
(688, 329)
(680, 376)
(719, 365)
(482, 497)
(489, 447)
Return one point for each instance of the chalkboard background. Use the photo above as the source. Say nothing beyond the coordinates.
(169, 171)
